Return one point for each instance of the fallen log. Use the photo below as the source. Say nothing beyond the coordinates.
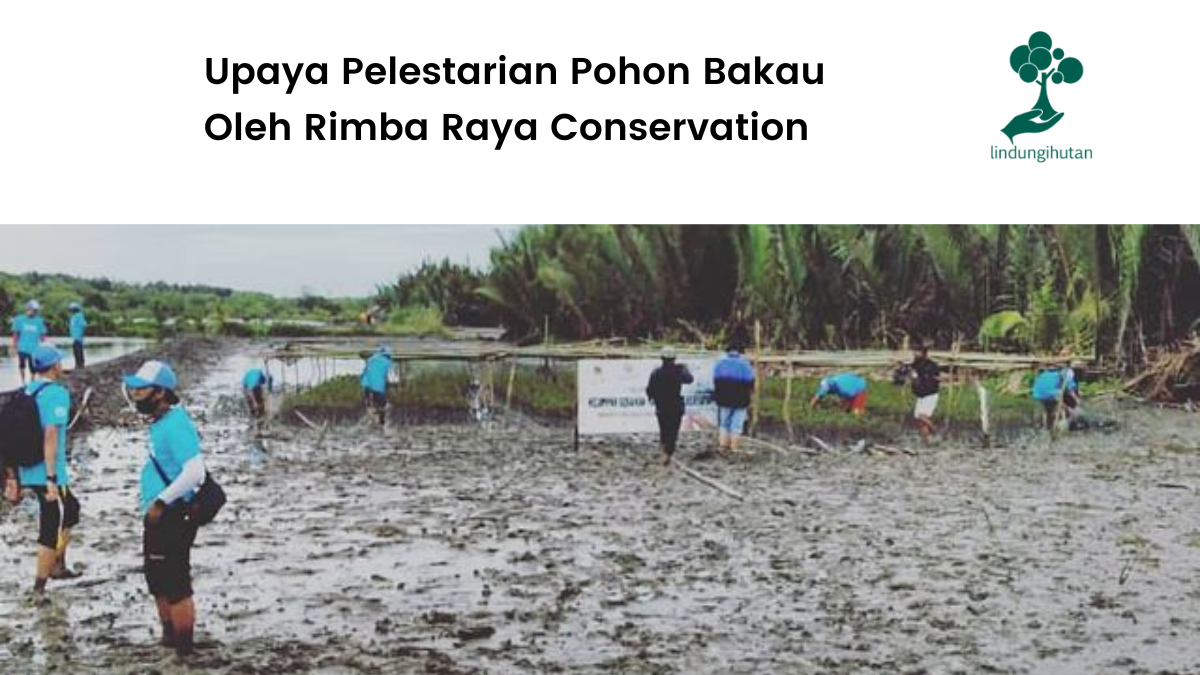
(711, 482)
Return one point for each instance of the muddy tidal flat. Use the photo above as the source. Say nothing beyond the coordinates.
(499, 548)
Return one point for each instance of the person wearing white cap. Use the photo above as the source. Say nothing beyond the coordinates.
(664, 391)
(58, 509)
(78, 327)
(171, 475)
(28, 331)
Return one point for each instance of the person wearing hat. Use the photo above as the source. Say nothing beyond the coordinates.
(78, 326)
(374, 382)
(28, 331)
(733, 384)
(171, 475)
(50, 479)
(664, 391)
(851, 388)
(255, 384)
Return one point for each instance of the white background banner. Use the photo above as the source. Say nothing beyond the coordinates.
(106, 103)
(612, 396)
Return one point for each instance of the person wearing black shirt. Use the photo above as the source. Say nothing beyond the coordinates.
(663, 390)
(925, 385)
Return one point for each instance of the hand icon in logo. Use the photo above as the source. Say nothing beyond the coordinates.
(1028, 123)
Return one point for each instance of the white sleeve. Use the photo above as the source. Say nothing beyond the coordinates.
(189, 479)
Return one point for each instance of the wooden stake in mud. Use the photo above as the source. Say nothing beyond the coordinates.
(787, 401)
(984, 422)
(758, 386)
(83, 407)
(712, 483)
(512, 378)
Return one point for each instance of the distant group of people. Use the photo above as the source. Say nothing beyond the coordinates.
(171, 476)
(29, 330)
(1055, 387)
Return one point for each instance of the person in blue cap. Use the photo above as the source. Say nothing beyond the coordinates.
(171, 476)
(733, 383)
(851, 388)
(374, 382)
(78, 327)
(255, 385)
(28, 331)
(50, 480)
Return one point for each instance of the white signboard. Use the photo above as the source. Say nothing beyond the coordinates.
(612, 396)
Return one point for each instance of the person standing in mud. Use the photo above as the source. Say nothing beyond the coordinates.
(926, 385)
(173, 472)
(50, 480)
(733, 384)
(664, 391)
(78, 327)
(255, 384)
(28, 331)
(851, 388)
(374, 383)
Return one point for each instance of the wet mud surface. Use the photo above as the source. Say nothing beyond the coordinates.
(465, 549)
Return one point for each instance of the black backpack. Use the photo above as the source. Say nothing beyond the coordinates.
(21, 436)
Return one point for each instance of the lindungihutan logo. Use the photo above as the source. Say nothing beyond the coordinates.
(1039, 62)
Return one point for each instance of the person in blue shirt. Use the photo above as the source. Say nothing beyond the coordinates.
(851, 388)
(171, 476)
(255, 385)
(78, 327)
(374, 382)
(50, 480)
(733, 384)
(1054, 384)
(28, 331)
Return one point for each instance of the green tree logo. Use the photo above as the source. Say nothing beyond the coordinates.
(1034, 59)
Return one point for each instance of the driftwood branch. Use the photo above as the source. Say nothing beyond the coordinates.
(711, 482)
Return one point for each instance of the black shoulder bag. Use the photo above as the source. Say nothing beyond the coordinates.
(209, 499)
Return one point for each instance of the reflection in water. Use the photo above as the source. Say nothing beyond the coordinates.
(98, 350)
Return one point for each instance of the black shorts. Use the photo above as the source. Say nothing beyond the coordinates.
(56, 516)
(167, 555)
(24, 361)
(257, 394)
(374, 399)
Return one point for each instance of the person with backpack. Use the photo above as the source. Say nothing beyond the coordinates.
(78, 326)
(733, 383)
(255, 384)
(1055, 385)
(851, 388)
(28, 331)
(664, 390)
(171, 477)
(374, 382)
(46, 407)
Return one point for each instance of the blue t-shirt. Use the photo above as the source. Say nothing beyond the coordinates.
(254, 379)
(374, 375)
(734, 367)
(1048, 383)
(846, 385)
(78, 325)
(54, 408)
(29, 331)
(173, 441)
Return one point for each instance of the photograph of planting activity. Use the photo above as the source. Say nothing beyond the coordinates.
(607, 449)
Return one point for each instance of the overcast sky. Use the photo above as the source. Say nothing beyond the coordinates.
(334, 260)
